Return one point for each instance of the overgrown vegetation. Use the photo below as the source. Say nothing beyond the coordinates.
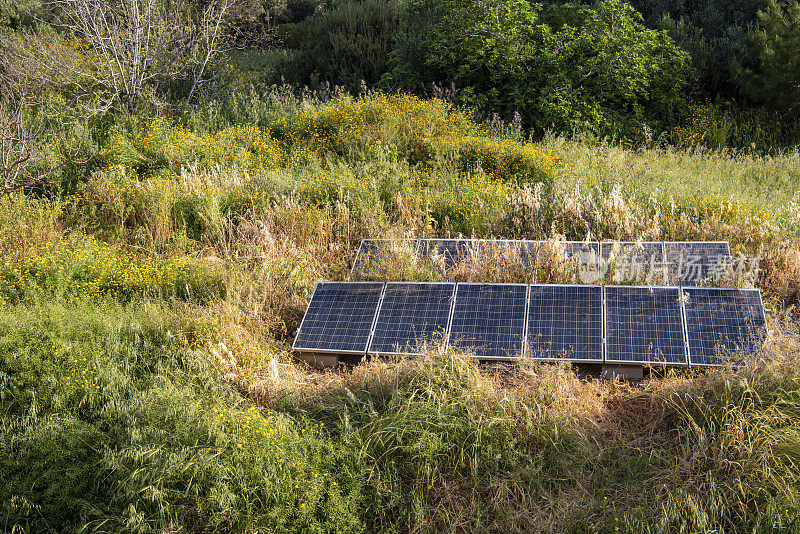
(164, 218)
(148, 308)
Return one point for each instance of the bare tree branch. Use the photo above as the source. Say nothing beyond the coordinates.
(120, 51)
(24, 163)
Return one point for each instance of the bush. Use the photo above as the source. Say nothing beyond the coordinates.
(95, 271)
(347, 45)
(117, 424)
(160, 145)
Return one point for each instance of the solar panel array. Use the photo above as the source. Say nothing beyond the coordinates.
(660, 325)
(632, 325)
(453, 252)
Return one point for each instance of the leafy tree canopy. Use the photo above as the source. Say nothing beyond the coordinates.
(558, 65)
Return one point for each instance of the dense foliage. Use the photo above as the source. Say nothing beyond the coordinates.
(147, 310)
(607, 68)
(775, 80)
(561, 66)
(348, 45)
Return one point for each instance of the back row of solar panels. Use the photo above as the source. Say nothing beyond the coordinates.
(643, 325)
(675, 262)
(455, 251)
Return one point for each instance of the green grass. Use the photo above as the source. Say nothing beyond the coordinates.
(147, 314)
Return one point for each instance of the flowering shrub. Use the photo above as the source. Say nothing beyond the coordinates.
(410, 123)
(160, 145)
(505, 159)
(96, 271)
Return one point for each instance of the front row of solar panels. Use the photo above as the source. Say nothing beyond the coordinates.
(578, 323)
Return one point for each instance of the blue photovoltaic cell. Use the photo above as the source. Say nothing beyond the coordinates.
(565, 323)
(339, 317)
(374, 255)
(411, 315)
(644, 325)
(452, 251)
(723, 325)
(693, 263)
(489, 320)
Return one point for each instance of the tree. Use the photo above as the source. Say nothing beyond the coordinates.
(563, 65)
(714, 32)
(120, 51)
(774, 77)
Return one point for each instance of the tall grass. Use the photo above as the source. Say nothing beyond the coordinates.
(147, 313)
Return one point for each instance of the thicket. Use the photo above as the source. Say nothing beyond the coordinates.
(348, 45)
(565, 66)
(604, 69)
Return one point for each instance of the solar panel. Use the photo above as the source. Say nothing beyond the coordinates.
(494, 247)
(339, 317)
(587, 251)
(644, 325)
(529, 251)
(723, 325)
(489, 320)
(513, 258)
(412, 315)
(693, 263)
(452, 251)
(641, 261)
(565, 322)
(375, 255)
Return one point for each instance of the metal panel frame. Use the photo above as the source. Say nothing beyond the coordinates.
(604, 322)
(584, 243)
(727, 243)
(686, 324)
(492, 358)
(685, 363)
(331, 351)
(602, 325)
(380, 306)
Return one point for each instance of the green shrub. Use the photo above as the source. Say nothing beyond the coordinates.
(347, 45)
(88, 270)
(560, 66)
